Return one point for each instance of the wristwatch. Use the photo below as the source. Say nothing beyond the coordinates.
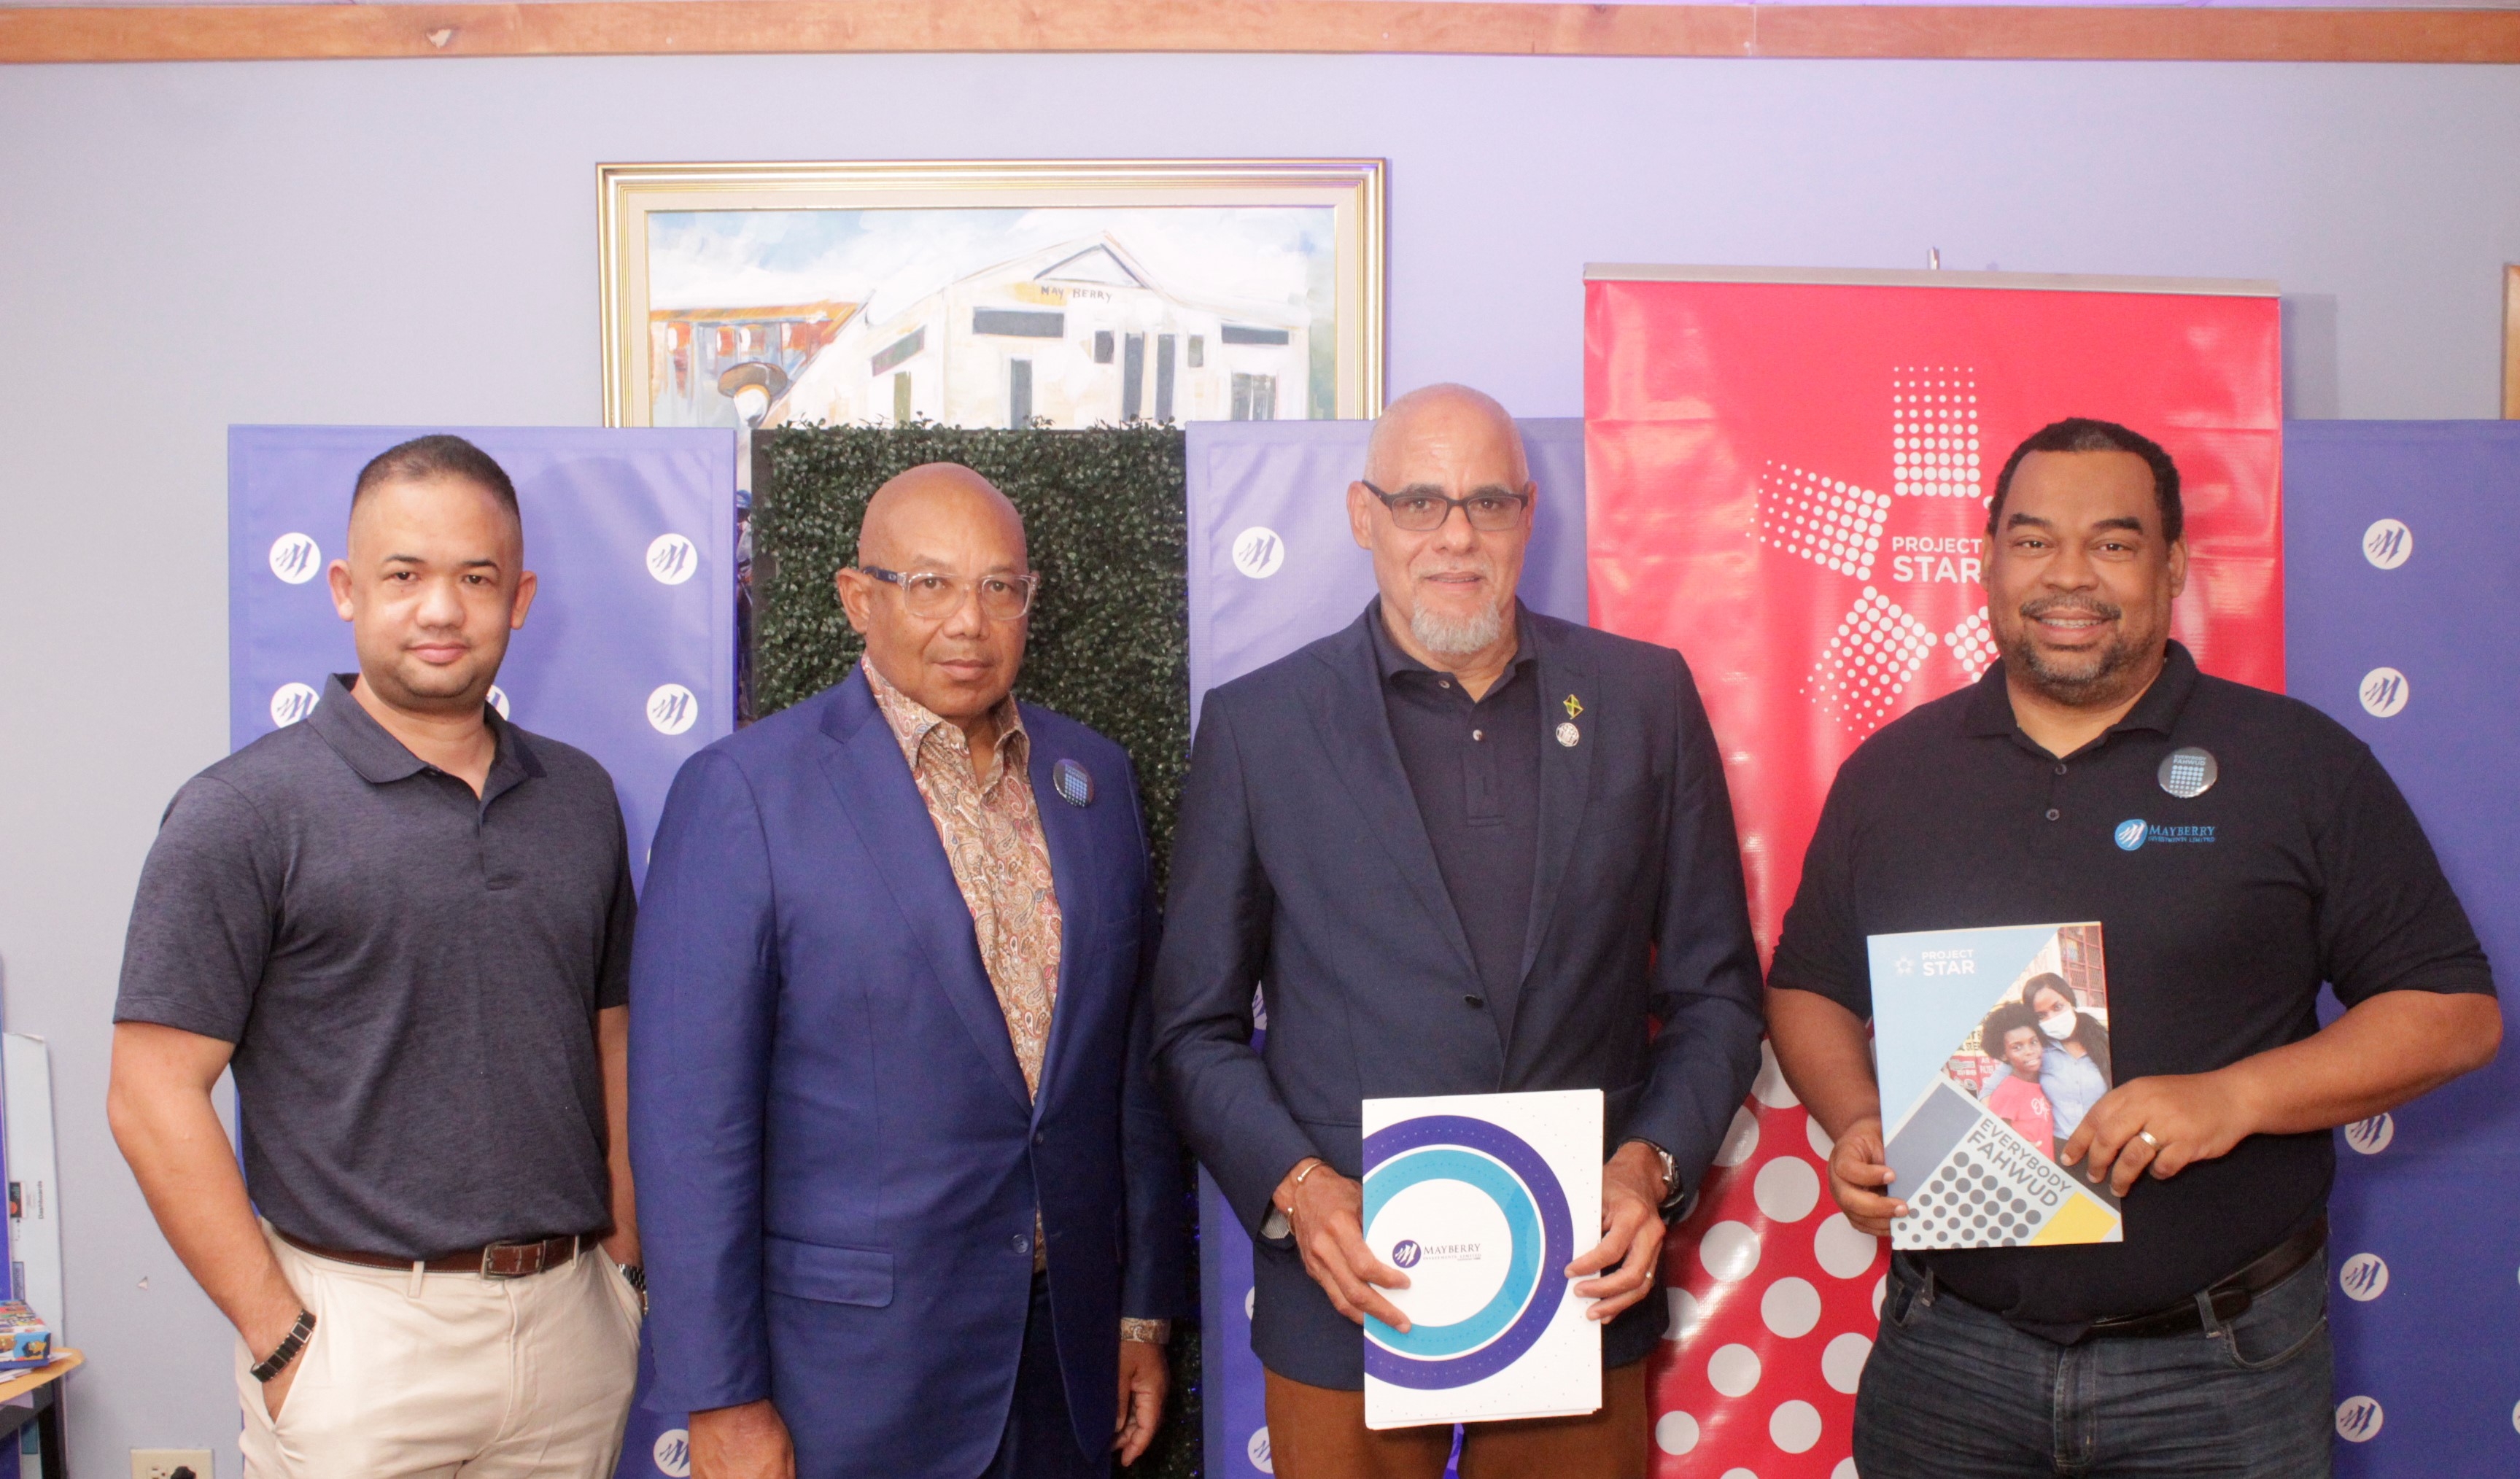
(1673, 1194)
(290, 1344)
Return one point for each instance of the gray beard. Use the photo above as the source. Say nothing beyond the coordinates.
(1457, 636)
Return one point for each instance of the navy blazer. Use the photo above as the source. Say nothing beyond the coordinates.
(1301, 861)
(836, 1160)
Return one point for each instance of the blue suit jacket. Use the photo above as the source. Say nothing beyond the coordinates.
(838, 1163)
(1301, 860)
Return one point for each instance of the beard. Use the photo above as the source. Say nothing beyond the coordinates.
(2089, 680)
(1457, 636)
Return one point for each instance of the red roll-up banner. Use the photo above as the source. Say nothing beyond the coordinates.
(1788, 478)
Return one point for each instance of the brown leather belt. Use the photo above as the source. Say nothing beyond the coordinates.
(2230, 1298)
(498, 1260)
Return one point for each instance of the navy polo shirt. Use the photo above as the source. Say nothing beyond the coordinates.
(2220, 913)
(1473, 766)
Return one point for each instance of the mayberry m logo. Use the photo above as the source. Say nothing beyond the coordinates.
(2130, 833)
(295, 557)
(2358, 1419)
(1405, 1254)
(2388, 543)
(2364, 1278)
(1495, 1164)
(672, 708)
(291, 702)
(2370, 1137)
(1258, 551)
(2384, 692)
(673, 1453)
(1907, 534)
(672, 559)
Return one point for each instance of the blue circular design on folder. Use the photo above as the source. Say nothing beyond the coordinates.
(1504, 1168)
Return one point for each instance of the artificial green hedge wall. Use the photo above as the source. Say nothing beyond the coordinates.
(1103, 512)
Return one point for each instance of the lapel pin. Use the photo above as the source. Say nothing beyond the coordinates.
(1574, 707)
(1074, 784)
(1568, 735)
(2188, 772)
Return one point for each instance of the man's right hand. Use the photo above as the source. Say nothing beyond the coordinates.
(746, 1442)
(1327, 1213)
(1857, 1171)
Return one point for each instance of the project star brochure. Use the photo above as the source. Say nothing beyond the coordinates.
(1483, 1199)
(1993, 1044)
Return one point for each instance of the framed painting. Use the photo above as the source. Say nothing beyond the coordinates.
(1008, 294)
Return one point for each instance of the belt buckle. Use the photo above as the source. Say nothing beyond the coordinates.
(491, 1251)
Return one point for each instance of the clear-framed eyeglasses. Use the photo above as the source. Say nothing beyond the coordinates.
(930, 595)
(1490, 511)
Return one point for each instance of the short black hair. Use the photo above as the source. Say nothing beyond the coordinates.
(2083, 433)
(2007, 1019)
(434, 456)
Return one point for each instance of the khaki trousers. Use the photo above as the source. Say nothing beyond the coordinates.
(1318, 1433)
(445, 1374)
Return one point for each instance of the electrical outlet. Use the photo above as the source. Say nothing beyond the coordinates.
(170, 1464)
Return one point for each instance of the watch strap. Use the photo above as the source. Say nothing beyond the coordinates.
(289, 1345)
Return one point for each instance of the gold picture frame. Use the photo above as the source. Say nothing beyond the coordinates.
(1004, 292)
(2511, 341)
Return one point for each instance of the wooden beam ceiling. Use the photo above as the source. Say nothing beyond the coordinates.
(650, 28)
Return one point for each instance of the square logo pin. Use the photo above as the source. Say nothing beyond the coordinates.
(1074, 784)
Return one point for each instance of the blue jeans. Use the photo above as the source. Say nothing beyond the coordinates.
(1952, 1392)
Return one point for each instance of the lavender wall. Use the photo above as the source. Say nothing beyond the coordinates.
(186, 247)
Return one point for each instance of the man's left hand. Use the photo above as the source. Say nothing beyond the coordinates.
(1632, 1193)
(1143, 1379)
(2188, 1117)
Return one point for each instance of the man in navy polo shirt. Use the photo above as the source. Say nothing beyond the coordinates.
(2239, 848)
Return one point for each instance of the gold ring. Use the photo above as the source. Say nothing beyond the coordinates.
(2145, 1136)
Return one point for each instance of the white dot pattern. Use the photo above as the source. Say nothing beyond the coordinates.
(1933, 431)
(1826, 520)
(1972, 642)
(1876, 650)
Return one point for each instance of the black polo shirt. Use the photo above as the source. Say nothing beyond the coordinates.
(410, 975)
(2299, 864)
(1475, 768)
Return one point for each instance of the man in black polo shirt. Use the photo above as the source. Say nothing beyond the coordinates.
(405, 924)
(2198, 1345)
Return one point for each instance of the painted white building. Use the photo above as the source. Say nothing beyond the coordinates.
(1075, 334)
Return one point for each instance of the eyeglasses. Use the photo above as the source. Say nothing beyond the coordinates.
(1489, 512)
(928, 595)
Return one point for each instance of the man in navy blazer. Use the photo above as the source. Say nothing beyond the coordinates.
(890, 1100)
(1467, 848)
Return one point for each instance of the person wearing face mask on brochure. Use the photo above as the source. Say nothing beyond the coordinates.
(2240, 849)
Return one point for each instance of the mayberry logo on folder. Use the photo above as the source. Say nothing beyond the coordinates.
(1994, 1044)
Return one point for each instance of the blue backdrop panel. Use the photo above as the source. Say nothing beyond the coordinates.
(2403, 546)
(628, 653)
(1273, 566)
(629, 650)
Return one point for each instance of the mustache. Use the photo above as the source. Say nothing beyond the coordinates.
(2047, 605)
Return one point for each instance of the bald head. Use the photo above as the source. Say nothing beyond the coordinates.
(935, 503)
(1440, 420)
(939, 551)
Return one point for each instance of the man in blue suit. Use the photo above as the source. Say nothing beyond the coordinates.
(890, 1100)
(1467, 848)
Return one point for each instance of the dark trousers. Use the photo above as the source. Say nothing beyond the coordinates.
(1040, 1442)
(1952, 1392)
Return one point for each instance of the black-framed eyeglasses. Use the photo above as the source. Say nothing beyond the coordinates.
(1489, 510)
(929, 594)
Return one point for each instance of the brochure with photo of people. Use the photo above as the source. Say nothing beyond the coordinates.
(1993, 1044)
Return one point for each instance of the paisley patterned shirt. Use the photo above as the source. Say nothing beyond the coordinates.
(992, 835)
